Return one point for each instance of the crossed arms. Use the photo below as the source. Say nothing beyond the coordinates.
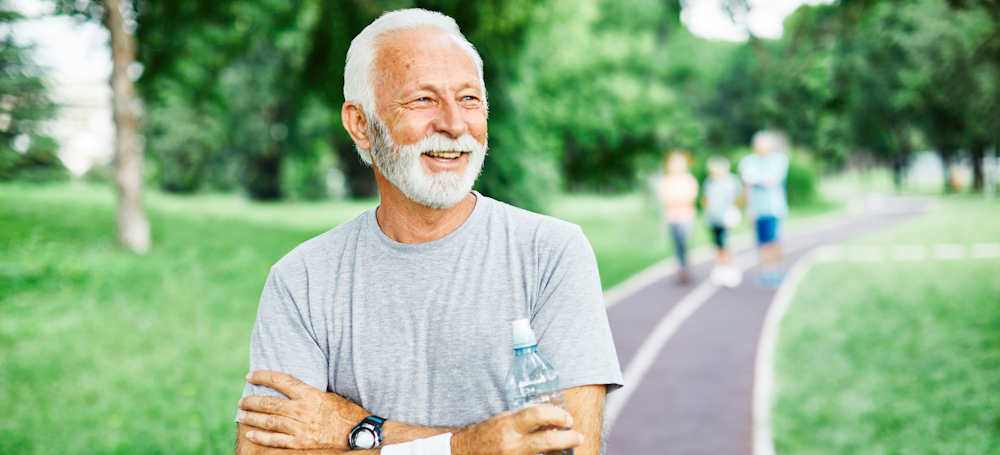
(319, 422)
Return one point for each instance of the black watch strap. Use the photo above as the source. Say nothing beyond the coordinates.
(367, 434)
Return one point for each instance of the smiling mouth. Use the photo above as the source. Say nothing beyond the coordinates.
(444, 156)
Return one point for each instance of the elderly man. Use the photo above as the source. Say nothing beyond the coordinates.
(395, 326)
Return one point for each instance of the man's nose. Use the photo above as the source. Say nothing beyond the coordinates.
(450, 120)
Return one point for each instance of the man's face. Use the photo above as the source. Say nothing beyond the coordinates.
(432, 138)
(763, 145)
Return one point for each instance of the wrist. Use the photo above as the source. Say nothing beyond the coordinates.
(367, 434)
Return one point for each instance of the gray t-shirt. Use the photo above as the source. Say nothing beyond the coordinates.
(420, 333)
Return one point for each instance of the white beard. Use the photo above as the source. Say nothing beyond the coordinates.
(400, 164)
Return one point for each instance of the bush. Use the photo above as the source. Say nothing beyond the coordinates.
(183, 144)
(39, 163)
(801, 183)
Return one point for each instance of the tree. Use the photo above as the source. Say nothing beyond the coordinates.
(120, 18)
(605, 87)
(25, 153)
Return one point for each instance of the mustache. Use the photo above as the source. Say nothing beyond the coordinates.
(441, 143)
(437, 142)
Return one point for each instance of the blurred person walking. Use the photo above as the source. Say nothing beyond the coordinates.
(720, 194)
(764, 173)
(677, 192)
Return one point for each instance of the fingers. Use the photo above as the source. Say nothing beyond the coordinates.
(535, 417)
(267, 405)
(271, 422)
(279, 440)
(547, 441)
(291, 387)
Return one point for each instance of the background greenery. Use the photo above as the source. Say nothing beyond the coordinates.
(896, 357)
(586, 95)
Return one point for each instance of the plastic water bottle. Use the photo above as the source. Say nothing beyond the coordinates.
(531, 380)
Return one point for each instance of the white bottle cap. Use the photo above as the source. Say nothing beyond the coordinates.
(523, 336)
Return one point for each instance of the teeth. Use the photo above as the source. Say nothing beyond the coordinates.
(448, 155)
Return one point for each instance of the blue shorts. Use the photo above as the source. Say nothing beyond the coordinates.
(719, 235)
(767, 229)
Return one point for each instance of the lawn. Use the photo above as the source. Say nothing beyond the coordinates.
(896, 357)
(102, 351)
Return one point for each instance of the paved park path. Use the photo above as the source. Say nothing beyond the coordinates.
(688, 351)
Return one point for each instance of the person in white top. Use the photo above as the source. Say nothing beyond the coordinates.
(677, 191)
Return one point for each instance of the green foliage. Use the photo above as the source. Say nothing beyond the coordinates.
(184, 144)
(265, 79)
(25, 152)
(801, 181)
(873, 76)
(584, 95)
(610, 85)
(40, 162)
(787, 85)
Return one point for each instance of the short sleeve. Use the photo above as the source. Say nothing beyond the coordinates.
(283, 340)
(570, 320)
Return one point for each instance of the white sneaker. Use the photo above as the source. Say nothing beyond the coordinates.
(719, 276)
(733, 276)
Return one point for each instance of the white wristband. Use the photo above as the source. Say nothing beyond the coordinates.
(434, 445)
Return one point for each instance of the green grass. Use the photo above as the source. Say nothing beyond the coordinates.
(102, 351)
(896, 358)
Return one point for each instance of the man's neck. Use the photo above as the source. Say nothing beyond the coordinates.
(406, 221)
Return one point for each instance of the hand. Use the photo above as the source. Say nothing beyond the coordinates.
(310, 419)
(517, 434)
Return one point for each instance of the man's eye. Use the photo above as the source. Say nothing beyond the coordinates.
(424, 98)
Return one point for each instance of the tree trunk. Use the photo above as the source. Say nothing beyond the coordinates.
(978, 152)
(264, 177)
(133, 228)
(949, 181)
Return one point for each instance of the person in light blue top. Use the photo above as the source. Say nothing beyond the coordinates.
(720, 194)
(764, 173)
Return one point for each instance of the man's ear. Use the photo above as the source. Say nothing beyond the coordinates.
(356, 124)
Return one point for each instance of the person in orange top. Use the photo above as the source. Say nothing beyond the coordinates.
(678, 190)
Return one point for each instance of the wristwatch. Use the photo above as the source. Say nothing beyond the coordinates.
(367, 434)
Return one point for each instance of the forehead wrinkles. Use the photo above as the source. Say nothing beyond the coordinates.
(396, 53)
(400, 51)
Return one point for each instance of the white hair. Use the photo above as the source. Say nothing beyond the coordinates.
(768, 140)
(358, 84)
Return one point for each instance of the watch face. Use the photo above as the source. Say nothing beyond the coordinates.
(364, 439)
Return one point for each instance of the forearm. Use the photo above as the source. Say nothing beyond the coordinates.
(396, 432)
(392, 433)
(586, 405)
